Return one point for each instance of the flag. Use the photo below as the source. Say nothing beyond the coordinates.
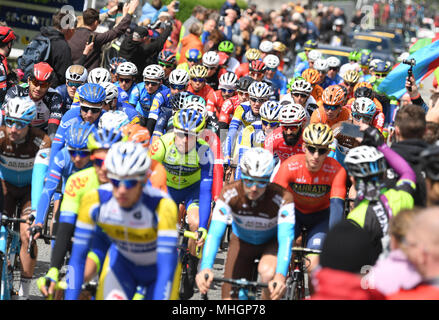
(421, 43)
(427, 60)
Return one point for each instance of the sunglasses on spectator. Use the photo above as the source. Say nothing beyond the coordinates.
(313, 150)
(270, 123)
(19, 124)
(74, 84)
(328, 107)
(128, 183)
(177, 86)
(151, 83)
(250, 183)
(92, 109)
(127, 80)
(41, 84)
(258, 100)
(198, 79)
(79, 152)
(228, 90)
(99, 162)
(359, 117)
(302, 95)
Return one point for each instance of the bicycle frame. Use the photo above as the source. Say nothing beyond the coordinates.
(14, 249)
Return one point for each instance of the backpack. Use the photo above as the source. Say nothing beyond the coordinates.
(37, 51)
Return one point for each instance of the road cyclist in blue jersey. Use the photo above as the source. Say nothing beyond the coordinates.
(126, 73)
(76, 76)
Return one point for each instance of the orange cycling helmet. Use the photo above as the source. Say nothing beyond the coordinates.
(363, 84)
(136, 133)
(333, 95)
(311, 75)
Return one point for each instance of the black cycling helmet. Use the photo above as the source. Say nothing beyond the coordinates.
(244, 83)
(430, 161)
(364, 92)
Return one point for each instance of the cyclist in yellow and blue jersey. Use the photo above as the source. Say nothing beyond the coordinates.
(132, 224)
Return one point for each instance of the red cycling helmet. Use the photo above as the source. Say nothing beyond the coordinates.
(42, 71)
(6, 35)
(257, 66)
(224, 57)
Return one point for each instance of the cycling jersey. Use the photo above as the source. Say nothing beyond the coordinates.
(243, 70)
(337, 79)
(278, 83)
(142, 100)
(228, 108)
(327, 82)
(255, 222)
(316, 93)
(66, 100)
(50, 108)
(300, 67)
(319, 116)
(213, 80)
(143, 249)
(124, 96)
(160, 99)
(203, 93)
(215, 102)
(275, 143)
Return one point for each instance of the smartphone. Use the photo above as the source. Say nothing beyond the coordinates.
(177, 6)
(120, 6)
(351, 130)
(91, 38)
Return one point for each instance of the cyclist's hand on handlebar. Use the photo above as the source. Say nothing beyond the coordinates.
(203, 283)
(202, 234)
(277, 291)
(227, 160)
(47, 284)
(35, 230)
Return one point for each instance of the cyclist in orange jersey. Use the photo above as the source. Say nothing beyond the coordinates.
(364, 90)
(313, 76)
(333, 110)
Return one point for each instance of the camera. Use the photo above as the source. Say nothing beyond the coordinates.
(410, 62)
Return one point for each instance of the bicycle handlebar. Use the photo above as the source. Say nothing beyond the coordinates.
(306, 250)
(5, 220)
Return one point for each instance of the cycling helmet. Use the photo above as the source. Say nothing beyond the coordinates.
(228, 81)
(224, 57)
(127, 159)
(318, 134)
(291, 113)
(126, 69)
(321, 65)
(42, 71)
(193, 54)
(136, 133)
(179, 77)
(364, 106)
(244, 83)
(333, 95)
(200, 108)
(21, 108)
(382, 67)
(301, 86)
(76, 73)
(226, 46)
(111, 91)
(354, 56)
(259, 89)
(115, 62)
(311, 75)
(191, 99)
(314, 55)
(92, 92)
(211, 59)
(351, 76)
(266, 46)
(153, 72)
(363, 92)
(271, 61)
(333, 62)
(338, 22)
(176, 101)
(257, 66)
(363, 84)
(310, 44)
(98, 75)
(253, 54)
(257, 163)
(429, 159)
(279, 46)
(113, 120)
(198, 71)
(6, 35)
(77, 137)
(167, 57)
(102, 138)
(366, 51)
(373, 63)
(189, 120)
(270, 110)
(365, 161)
(365, 60)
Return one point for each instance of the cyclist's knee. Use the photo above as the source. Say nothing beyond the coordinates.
(193, 218)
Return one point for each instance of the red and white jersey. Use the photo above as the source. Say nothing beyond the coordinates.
(275, 143)
(228, 108)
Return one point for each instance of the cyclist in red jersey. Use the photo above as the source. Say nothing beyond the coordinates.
(257, 70)
(243, 69)
(227, 89)
(286, 140)
(7, 38)
(197, 83)
(318, 184)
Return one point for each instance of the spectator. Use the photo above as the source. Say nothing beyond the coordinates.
(173, 40)
(60, 57)
(199, 14)
(431, 134)
(422, 243)
(208, 28)
(149, 11)
(215, 38)
(91, 22)
(242, 31)
(191, 41)
(230, 4)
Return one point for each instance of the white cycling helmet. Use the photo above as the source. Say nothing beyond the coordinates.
(321, 65)
(257, 163)
(126, 69)
(271, 61)
(111, 91)
(301, 86)
(228, 80)
(314, 55)
(113, 120)
(291, 113)
(127, 160)
(76, 72)
(364, 105)
(153, 72)
(266, 46)
(22, 108)
(365, 161)
(211, 59)
(333, 62)
(99, 75)
(179, 77)
(270, 110)
(259, 89)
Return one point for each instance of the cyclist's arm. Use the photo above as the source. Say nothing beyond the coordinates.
(153, 114)
(206, 163)
(98, 250)
(233, 129)
(285, 236)
(401, 167)
(39, 171)
(157, 150)
(134, 98)
(57, 111)
(338, 194)
(243, 144)
(132, 114)
(162, 122)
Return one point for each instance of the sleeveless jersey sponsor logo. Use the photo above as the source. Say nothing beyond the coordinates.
(75, 185)
(310, 190)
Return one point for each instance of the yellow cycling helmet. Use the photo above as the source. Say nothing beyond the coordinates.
(279, 46)
(318, 134)
(103, 138)
(253, 54)
(351, 76)
(198, 71)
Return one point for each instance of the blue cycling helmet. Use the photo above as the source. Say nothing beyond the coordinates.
(382, 67)
(77, 137)
(103, 138)
(21, 108)
(365, 161)
(193, 54)
(189, 120)
(115, 62)
(194, 99)
(92, 92)
(365, 60)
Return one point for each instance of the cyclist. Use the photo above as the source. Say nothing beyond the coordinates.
(113, 216)
(286, 140)
(364, 110)
(318, 184)
(350, 80)
(364, 90)
(263, 228)
(97, 76)
(243, 69)
(167, 59)
(300, 93)
(211, 61)
(375, 206)
(364, 65)
(313, 56)
(226, 90)
(143, 93)
(313, 77)
(197, 82)
(188, 161)
(228, 47)
(352, 64)
(279, 50)
(48, 102)
(193, 58)
(307, 47)
(257, 70)
(333, 111)
(273, 76)
(321, 65)
(76, 76)
(334, 67)
(24, 154)
(126, 74)
(114, 63)
(266, 47)
(7, 38)
(77, 185)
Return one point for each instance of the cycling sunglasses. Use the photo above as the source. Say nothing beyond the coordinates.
(79, 152)
(181, 133)
(334, 68)
(228, 90)
(380, 75)
(290, 126)
(328, 107)
(359, 117)
(177, 86)
(210, 68)
(126, 80)
(41, 84)
(99, 162)
(193, 60)
(350, 84)
(257, 100)
(166, 65)
(259, 184)
(272, 69)
(198, 79)
(151, 83)
(92, 109)
(242, 92)
(128, 183)
(302, 95)
(74, 84)
(19, 124)
(271, 124)
(313, 150)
